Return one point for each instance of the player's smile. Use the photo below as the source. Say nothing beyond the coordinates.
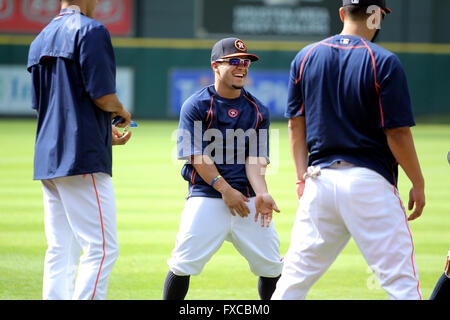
(240, 75)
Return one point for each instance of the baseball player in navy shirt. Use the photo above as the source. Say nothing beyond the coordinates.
(350, 111)
(74, 93)
(223, 135)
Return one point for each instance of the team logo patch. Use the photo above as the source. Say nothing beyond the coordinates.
(240, 45)
(233, 113)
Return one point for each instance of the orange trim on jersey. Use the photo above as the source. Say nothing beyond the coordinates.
(190, 192)
(302, 108)
(248, 191)
(193, 176)
(377, 86)
(258, 114)
(412, 243)
(211, 112)
(103, 236)
(300, 73)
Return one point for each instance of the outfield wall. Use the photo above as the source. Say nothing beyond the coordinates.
(157, 74)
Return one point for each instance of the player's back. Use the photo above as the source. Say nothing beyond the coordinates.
(346, 83)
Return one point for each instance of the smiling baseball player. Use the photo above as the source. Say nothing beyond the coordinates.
(227, 189)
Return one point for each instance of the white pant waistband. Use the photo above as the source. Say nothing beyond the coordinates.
(341, 164)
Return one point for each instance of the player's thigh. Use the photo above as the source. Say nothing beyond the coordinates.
(204, 225)
(259, 245)
(91, 208)
(57, 229)
(378, 223)
(319, 234)
(204, 217)
(375, 215)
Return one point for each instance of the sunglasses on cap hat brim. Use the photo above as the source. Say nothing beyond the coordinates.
(235, 61)
(249, 56)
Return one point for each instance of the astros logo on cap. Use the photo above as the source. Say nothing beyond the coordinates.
(240, 45)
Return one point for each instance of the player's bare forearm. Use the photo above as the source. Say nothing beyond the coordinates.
(207, 170)
(255, 168)
(297, 143)
(110, 103)
(299, 151)
(401, 143)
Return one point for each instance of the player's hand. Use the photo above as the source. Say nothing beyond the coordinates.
(417, 198)
(235, 202)
(118, 139)
(265, 205)
(300, 187)
(125, 115)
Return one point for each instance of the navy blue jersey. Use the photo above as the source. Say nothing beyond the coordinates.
(350, 90)
(228, 131)
(72, 63)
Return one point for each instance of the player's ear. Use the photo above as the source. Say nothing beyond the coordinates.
(342, 14)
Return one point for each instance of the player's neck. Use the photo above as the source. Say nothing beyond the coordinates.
(77, 7)
(227, 92)
(357, 29)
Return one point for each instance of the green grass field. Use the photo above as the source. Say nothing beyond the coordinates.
(150, 197)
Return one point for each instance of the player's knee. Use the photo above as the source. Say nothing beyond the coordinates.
(113, 253)
(55, 252)
(269, 269)
(108, 253)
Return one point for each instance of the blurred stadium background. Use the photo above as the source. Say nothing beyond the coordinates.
(163, 47)
(162, 51)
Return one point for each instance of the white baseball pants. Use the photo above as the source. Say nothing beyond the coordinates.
(206, 223)
(80, 215)
(343, 202)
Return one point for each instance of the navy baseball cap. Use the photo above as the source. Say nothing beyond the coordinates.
(368, 3)
(229, 48)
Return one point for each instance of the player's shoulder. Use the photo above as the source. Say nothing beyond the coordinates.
(385, 59)
(302, 52)
(198, 101)
(380, 52)
(263, 109)
(89, 25)
(201, 96)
